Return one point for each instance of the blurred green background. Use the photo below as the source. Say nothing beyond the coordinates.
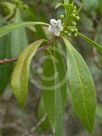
(15, 121)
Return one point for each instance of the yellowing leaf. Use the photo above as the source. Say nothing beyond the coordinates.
(20, 75)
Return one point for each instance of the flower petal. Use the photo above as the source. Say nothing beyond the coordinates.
(61, 28)
(59, 22)
(53, 22)
(57, 33)
(50, 29)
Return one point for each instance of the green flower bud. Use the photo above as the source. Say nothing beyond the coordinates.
(74, 23)
(75, 7)
(72, 30)
(77, 18)
(62, 16)
(74, 11)
(69, 34)
(25, 6)
(75, 34)
(75, 29)
(73, 15)
(65, 31)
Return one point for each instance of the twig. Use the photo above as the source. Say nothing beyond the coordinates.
(4, 61)
(13, 126)
(10, 60)
(33, 129)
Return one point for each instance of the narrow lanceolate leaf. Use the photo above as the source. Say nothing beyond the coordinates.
(60, 89)
(66, 1)
(11, 46)
(54, 89)
(20, 75)
(9, 28)
(91, 42)
(6, 69)
(48, 88)
(82, 87)
(41, 112)
(18, 38)
(60, 68)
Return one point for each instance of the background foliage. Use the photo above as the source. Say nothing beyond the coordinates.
(13, 120)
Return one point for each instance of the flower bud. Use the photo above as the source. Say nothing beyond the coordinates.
(75, 29)
(77, 18)
(72, 30)
(74, 11)
(75, 7)
(73, 15)
(65, 31)
(74, 23)
(69, 34)
(75, 34)
(62, 16)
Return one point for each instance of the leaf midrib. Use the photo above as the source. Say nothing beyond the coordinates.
(82, 92)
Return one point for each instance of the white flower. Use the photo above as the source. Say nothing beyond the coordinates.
(55, 27)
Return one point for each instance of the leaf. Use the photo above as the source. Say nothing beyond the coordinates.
(58, 5)
(60, 67)
(81, 87)
(54, 95)
(48, 93)
(20, 74)
(81, 6)
(9, 28)
(90, 5)
(59, 117)
(91, 42)
(11, 46)
(100, 6)
(60, 89)
(40, 32)
(41, 113)
(10, 7)
(5, 69)
(66, 1)
(19, 37)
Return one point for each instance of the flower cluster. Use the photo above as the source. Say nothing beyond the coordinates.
(69, 20)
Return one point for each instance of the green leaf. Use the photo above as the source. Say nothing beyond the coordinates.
(40, 32)
(19, 37)
(90, 5)
(11, 7)
(66, 1)
(11, 46)
(58, 5)
(41, 113)
(59, 115)
(81, 87)
(100, 6)
(91, 42)
(81, 6)
(9, 28)
(5, 69)
(60, 89)
(20, 74)
(54, 92)
(60, 67)
(48, 93)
